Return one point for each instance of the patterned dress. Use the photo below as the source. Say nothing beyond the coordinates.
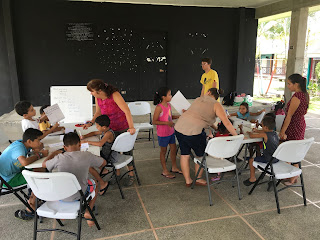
(297, 126)
(118, 120)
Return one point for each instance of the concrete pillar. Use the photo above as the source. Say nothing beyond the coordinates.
(297, 43)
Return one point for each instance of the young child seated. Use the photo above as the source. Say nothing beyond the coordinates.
(26, 110)
(244, 113)
(80, 164)
(13, 160)
(106, 141)
(270, 143)
(44, 124)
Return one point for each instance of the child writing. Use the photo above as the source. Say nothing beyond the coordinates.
(45, 124)
(26, 110)
(270, 143)
(244, 113)
(162, 117)
(80, 164)
(106, 141)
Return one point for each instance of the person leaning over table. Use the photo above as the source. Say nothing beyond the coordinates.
(110, 102)
(190, 131)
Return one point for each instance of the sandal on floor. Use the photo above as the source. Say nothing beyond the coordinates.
(24, 215)
(217, 178)
(90, 219)
(168, 176)
(103, 191)
(130, 181)
(248, 183)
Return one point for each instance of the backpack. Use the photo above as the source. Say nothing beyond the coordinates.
(229, 99)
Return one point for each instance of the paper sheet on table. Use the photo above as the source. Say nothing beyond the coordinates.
(84, 146)
(179, 102)
(68, 130)
(56, 145)
(56, 133)
(54, 113)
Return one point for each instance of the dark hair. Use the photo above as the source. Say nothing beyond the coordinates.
(222, 128)
(43, 107)
(103, 120)
(31, 134)
(207, 60)
(271, 114)
(22, 107)
(246, 105)
(269, 122)
(70, 139)
(98, 84)
(162, 92)
(216, 92)
(302, 81)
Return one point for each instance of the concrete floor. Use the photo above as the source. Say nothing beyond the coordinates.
(165, 209)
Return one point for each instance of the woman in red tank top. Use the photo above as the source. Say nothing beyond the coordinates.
(294, 125)
(110, 102)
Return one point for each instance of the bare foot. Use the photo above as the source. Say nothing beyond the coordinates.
(200, 180)
(167, 174)
(103, 187)
(176, 170)
(88, 216)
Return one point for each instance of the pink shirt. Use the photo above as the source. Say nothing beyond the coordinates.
(118, 120)
(165, 116)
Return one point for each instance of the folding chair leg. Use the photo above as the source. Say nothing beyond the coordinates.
(79, 222)
(153, 139)
(60, 223)
(257, 182)
(276, 194)
(24, 202)
(237, 176)
(35, 227)
(208, 185)
(118, 183)
(135, 171)
(149, 134)
(303, 190)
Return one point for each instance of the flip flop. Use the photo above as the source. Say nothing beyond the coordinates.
(103, 191)
(24, 215)
(168, 176)
(178, 172)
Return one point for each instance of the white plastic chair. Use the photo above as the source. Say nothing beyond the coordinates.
(292, 151)
(214, 160)
(123, 143)
(53, 187)
(259, 117)
(140, 109)
(279, 121)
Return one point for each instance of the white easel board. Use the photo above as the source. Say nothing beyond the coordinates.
(74, 101)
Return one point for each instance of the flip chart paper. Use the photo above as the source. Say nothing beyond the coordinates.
(179, 102)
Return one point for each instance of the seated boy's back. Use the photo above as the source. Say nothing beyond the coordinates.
(77, 163)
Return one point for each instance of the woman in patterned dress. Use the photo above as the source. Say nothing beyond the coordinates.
(294, 125)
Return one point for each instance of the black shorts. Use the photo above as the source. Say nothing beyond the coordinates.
(196, 142)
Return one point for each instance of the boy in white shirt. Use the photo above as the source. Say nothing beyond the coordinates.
(26, 110)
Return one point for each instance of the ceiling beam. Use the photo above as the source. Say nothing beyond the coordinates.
(284, 6)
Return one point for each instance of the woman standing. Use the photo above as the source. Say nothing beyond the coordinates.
(110, 102)
(294, 125)
(190, 130)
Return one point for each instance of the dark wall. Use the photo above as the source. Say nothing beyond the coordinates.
(45, 57)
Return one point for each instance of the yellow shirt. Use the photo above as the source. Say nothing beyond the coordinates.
(207, 80)
(44, 125)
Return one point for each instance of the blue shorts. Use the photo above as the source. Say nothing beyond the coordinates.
(196, 142)
(263, 159)
(164, 141)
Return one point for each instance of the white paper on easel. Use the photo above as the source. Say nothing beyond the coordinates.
(179, 102)
(54, 113)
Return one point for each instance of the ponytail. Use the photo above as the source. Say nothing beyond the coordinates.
(302, 82)
(162, 92)
(216, 92)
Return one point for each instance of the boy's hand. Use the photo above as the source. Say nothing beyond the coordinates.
(170, 124)
(45, 152)
(82, 137)
(240, 126)
(55, 126)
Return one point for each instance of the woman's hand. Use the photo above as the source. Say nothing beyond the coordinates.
(282, 136)
(132, 131)
(87, 125)
(170, 124)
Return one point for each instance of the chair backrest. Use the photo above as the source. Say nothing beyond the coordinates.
(259, 117)
(224, 147)
(52, 186)
(139, 108)
(293, 151)
(124, 142)
(279, 122)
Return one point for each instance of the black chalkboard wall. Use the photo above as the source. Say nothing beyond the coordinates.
(138, 48)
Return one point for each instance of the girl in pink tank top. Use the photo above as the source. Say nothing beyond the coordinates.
(162, 117)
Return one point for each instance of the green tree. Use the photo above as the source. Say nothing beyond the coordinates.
(317, 71)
